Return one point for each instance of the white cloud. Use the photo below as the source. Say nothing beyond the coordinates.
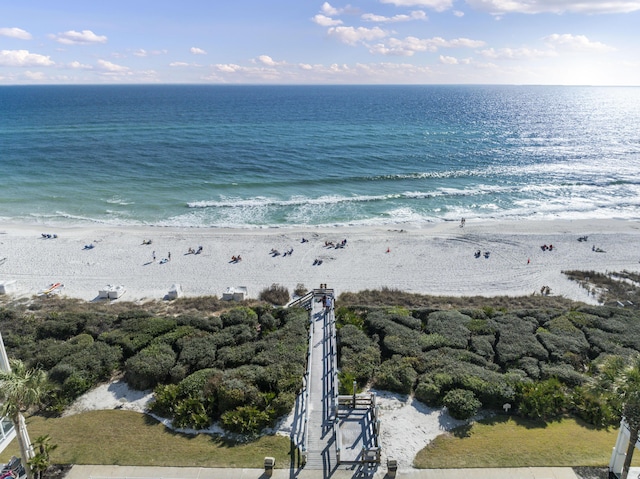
(576, 43)
(23, 58)
(76, 65)
(197, 51)
(85, 37)
(517, 53)
(14, 32)
(327, 9)
(437, 5)
(415, 15)
(229, 67)
(458, 13)
(112, 67)
(34, 76)
(325, 21)
(140, 52)
(353, 36)
(268, 61)
(497, 7)
(448, 60)
(179, 64)
(410, 45)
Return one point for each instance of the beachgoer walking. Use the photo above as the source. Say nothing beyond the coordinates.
(154, 256)
(169, 255)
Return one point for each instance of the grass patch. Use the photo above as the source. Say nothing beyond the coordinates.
(515, 442)
(135, 439)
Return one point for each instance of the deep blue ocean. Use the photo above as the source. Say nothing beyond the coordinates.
(265, 156)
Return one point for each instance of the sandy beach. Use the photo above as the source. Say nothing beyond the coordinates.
(438, 259)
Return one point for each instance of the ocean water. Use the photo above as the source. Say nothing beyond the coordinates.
(276, 156)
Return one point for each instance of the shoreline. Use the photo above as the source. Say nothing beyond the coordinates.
(435, 259)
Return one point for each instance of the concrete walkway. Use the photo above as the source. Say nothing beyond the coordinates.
(136, 472)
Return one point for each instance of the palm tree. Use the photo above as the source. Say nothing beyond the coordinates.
(630, 393)
(42, 460)
(21, 389)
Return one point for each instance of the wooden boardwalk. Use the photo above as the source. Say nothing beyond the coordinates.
(337, 435)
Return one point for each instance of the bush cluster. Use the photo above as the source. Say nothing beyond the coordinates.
(243, 366)
(544, 362)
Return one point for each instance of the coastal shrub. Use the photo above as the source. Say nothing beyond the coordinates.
(75, 386)
(51, 351)
(60, 372)
(601, 342)
(461, 403)
(174, 335)
(197, 352)
(191, 413)
(531, 366)
(346, 316)
(153, 326)
(483, 346)
(516, 339)
(268, 323)
(247, 420)
(432, 341)
(561, 337)
(194, 385)
(150, 366)
(282, 404)
(275, 294)
(234, 356)
(595, 407)
(359, 355)
(403, 317)
(541, 399)
(234, 392)
(97, 361)
(60, 329)
(482, 327)
(429, 393)
(564, 372)
(241, 333)
(137, 332)
(165, 399)
(239, 315)
(452, 325)
(300, 290)
(133, 312)
(396, 375)
(199, 303)
(404, 345)
(345, 382)
(211, 324)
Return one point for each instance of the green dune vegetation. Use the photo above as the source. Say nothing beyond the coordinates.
(559, 365)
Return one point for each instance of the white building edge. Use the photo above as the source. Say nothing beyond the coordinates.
(7, 431)
(620, 451)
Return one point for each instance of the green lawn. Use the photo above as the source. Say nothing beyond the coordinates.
(131, 438)
(514, 442)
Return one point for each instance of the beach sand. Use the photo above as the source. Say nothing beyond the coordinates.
(437, 259)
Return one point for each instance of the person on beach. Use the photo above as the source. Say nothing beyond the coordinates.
(169, 255)
(154, 256)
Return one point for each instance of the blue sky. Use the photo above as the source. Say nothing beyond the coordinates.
(572, 42)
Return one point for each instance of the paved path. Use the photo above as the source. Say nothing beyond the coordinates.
(130, 472)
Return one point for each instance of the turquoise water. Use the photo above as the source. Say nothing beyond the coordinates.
(263, 156)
